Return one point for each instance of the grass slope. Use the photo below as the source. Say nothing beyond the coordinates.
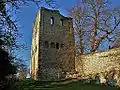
(59, 85)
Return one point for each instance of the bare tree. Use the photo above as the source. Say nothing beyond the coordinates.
(101, 22)
(79, 15)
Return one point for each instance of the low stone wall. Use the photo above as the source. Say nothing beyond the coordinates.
(98, 62)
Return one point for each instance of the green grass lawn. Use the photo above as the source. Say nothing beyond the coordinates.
(59, 85)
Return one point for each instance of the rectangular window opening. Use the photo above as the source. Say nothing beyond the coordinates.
(52, 45)
(57, 45)
(46, 44)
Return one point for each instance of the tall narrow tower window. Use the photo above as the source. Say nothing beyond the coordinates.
(61, 22)
(52, 20)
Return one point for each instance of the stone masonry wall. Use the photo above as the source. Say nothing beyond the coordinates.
(98, 62)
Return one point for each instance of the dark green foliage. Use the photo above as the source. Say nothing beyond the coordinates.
(5, 65)
(6, 68)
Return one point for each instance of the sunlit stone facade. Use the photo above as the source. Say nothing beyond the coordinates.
(105, 63)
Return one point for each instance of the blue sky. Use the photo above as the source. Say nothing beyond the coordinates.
(27, 16)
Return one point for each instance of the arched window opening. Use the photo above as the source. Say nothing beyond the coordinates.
(61, 22)
(52, 20)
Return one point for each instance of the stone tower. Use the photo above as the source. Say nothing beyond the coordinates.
(53, 48)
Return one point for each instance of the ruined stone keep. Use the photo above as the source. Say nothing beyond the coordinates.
(53, 49)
